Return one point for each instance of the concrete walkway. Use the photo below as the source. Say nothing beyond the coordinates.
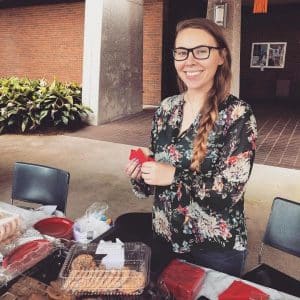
(97, 174)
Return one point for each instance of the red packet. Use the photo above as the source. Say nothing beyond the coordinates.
(239, 290)
(140, 156)
(182, 279)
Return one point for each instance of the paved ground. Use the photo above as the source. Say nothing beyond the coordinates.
(132, 130)
(278, 133)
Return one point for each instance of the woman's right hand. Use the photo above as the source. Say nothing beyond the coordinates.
(133, 169)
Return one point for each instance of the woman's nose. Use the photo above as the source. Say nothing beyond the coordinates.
(190, 59)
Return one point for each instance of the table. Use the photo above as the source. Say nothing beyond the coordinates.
(214, 283)
(140, 229)
(28, 216)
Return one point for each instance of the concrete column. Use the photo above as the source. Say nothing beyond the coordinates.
(91, 56)
(233, 36)
(112, 59)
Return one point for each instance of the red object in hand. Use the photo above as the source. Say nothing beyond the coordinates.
(182, 279)
(239, 290)
(140, 156)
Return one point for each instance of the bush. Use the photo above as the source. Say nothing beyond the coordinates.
(30, 105)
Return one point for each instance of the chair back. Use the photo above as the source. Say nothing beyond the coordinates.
(40, 184)
(283, 229)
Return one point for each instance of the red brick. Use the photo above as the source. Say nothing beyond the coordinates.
(44, 41)
(152, 51)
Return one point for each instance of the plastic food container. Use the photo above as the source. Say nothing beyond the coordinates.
(84, 274)
(183, 280)
(23, 258)
(9, 224)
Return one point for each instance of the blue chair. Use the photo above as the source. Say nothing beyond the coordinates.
(283, 233)
(40, 184)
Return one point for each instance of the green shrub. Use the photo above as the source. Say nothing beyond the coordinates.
(30, 105)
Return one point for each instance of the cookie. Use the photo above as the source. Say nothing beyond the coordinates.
(83, 262)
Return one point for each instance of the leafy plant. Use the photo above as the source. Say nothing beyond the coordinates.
(29, 105)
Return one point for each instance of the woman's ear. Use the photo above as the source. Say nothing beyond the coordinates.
(222, 55)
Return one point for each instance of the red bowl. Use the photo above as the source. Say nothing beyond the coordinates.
(56, 226)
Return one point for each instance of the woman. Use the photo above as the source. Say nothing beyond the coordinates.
(203, 142)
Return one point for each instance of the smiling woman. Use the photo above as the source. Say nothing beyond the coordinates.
(203, 143)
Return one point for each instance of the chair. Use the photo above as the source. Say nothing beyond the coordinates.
(40, 184)
(283, 233)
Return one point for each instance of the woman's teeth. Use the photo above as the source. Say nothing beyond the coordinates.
(193, 73)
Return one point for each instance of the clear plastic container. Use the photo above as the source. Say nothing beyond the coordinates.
(23, 258)
(84, 274)
(9, 224)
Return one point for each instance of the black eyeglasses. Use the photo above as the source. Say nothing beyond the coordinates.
(199, 52)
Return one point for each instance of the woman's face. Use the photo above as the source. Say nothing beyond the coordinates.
(197, 74)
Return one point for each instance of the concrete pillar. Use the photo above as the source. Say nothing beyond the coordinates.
(112, 58)
(91, 56)
(233, 36)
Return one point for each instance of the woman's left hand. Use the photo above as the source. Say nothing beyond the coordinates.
(156, 173)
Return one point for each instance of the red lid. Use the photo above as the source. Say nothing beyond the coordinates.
(23, 252)
(55, 226)
(183, 280)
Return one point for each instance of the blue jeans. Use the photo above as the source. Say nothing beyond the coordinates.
(224, 260)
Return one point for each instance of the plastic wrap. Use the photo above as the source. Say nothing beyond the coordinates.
(10, 224)
(19, 239)
(28, 217)
(183, 280)
(24, 257)
(92, 224)
(84, 274)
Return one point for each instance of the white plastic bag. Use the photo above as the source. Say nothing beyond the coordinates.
(92, 224)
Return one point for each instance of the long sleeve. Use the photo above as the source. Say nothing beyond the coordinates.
(225, 184)
(204, 208)
(139, 187)
(213, 197)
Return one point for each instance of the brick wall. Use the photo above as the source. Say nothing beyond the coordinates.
(152, 51)
(44, 41)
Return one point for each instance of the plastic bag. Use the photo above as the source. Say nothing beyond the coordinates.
(92, 224)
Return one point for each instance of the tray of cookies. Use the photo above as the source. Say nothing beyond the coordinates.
(84, 272)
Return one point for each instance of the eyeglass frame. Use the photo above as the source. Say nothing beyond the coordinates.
(192, 50)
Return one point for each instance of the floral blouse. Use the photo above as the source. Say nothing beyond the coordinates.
(204, 208)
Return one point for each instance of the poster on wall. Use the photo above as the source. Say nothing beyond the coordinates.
(268, 55)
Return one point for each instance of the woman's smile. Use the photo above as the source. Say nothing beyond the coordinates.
(191, 74)
(197, 74)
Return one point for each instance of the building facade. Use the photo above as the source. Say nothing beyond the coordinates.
(120, 50)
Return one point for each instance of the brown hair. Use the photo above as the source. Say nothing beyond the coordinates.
(218, 92)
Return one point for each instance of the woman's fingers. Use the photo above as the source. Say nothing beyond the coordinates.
(139, 175)
(136, 172)
(133, 168)
(147, 151)
(147, 167)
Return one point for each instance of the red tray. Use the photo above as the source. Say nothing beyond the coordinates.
(55, 226)
(27, 252)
